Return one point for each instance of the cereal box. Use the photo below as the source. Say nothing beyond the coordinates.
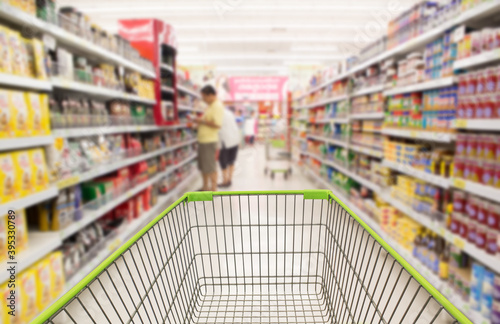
(39, 59)
(40, 175)
(8, 189)
(16, 52)
(24, 173)
(6, 114)
(5, 54)
(28, 295)
(20, 117)
(10, 308)
(43, 283)
(57, 280)
(3, 237)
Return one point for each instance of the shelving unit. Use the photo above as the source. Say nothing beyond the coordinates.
(427, 177)
(477, 124)
(373, 115)
(10, 144)
(420, 135)
(188, 91)
(20, 82)
(28, 201)
(478, 60)
(323, 102)
(428, 85)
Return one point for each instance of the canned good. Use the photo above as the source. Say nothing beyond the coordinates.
(482, 211)
(488, 175)
(481, 231)
(459, 202)
(471, 208)
(491, 241)
(471, 234)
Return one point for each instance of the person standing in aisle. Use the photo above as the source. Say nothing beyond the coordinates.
(250, 129)
(208, 137)
(230, 139)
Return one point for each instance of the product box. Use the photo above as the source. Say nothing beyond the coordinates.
(6, 114)
(39, 115)
(16, 51)
(6, 56)
(20, 113)
(3, 237)
(24, 173)
(39, 59)
(57, 280)
(43, 284)
(40, 174)
(8, 184)
(27, 282)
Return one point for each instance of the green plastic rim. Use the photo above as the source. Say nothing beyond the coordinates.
(208, 196)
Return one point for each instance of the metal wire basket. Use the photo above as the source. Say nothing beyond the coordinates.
(254, 257)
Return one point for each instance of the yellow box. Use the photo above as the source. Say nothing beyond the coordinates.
(57, 279)
(6, 55)
(40, 175)
(43, 283)
(20, 229)
(3, 237)
(20, 113)
(7, 290)
(6, 115)
(24, 173)
(38, 112)
(28, 295)
(8, 183)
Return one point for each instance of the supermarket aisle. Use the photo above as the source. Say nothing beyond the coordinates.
(249, 173)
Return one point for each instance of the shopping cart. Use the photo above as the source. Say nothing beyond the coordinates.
(254, 257)
(278, 155)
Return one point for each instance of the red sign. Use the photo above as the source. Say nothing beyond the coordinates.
(254, 88)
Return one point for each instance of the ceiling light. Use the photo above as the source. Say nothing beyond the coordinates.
(322, 27)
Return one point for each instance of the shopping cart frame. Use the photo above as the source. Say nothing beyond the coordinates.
(209, 196)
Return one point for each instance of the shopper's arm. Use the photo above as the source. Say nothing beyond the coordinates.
(208, 123)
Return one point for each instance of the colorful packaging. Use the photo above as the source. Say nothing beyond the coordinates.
(43, 283)
(6, 56)
(40, 175)
(487, 293)
(21, 230)
(39, 58)
(8, 183)
(27, 282)
(6, 114)
(39, 115)
(20, 113)
(3, 237)
(10, 296)
(24, 175)
(16, 52)
(57, 279)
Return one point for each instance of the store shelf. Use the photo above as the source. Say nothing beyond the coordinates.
(427, 177)
(428, 85)
(329, 140)
(477, 189)
(485, 9)
(478, 60)
(181, 107)
(368, 90)
(323, 102)
(17, 143)
(331, 120)
(92, 215)
(96, 91)
(477, 124)
(324, 84)
(104, 169)
(440, 137)
(82, 46)
(367, 151)
(372, 115)
(103, 130)
(188, 91)
(28, 201)
(167, 67)
(167, 89)
(15, 81)
(39, 245)
(131, 229)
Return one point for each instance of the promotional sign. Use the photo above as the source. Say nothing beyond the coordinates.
(255, 88)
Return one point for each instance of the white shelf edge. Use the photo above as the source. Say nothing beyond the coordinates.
(324, 84)
(367, 151)
(16, 143)
(188, 91)
(331, 120)
(476, 60)
(427, 177)
(372, 115)
(323, 102)
(167, 89)
(97, 91)
(440, 137)
(427, 85)
(16, 81)
(329, 140)
(104, 169)
(477, 189)
(167, 67)
(101, 130)
(182, 107)
(369, 90)
(477, 124)
(28, 201)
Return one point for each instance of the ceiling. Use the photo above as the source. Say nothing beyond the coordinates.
(257, 36)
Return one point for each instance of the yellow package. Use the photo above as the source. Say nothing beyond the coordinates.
(16, 52)
(40, 175)
(38, 111)
(10, 308)
(27, 282)
(39, 59)
(21, 229)
(8, 189)
(43, 283)
(6, 114)
(5, 53)
(28, 67)
(20, 114)
(57, 280)
(24, 173)
(3, 237)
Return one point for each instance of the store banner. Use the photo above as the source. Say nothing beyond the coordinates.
(256, 88)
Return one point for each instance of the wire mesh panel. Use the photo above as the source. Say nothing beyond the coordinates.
(255, 258)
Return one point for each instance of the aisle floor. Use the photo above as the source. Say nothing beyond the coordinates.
(255, 259)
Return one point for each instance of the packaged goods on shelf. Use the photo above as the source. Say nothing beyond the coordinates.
(372, 50)
(368, 78)
(411, 69)
(336, 131)
(332, 90)
(367, 104)
(369, 126)
(440, 56)
(475, 42)
(477, 94)
(372, 141)
(477, 158)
